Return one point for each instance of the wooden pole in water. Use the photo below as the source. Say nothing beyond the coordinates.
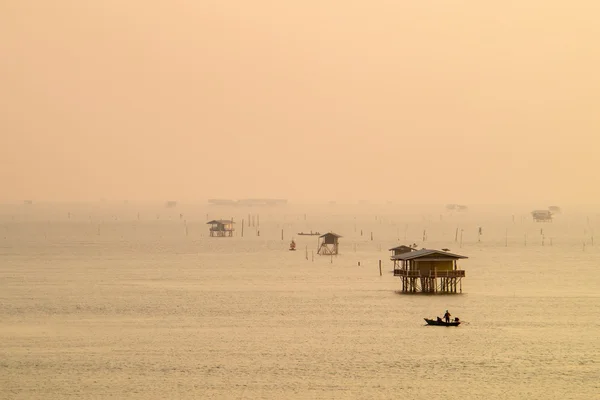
(307, 252)
(282, 234)
(380, 268)
(456, 235)
(242, 227)
(461, 235)
(371, 235)
(313, 255)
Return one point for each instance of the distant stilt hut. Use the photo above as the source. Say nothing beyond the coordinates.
(400, 250)
(328, 244)
(456, 207)
(221, 228)
(429, 271)
(542, 215)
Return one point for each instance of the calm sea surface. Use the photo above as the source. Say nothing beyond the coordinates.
(108, 304)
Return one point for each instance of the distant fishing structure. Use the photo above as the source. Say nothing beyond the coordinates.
(311, 233)
(456, 207)
(542, 215)
(328, 244)
(221, 228)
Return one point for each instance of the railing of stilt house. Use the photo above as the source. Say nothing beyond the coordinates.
(432, 274)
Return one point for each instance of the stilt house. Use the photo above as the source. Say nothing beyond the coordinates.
(221, 228)
(542, 215)
(429, 271)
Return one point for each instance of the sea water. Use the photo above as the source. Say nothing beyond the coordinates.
(97, 301)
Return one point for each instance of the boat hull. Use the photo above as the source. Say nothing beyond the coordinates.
(442, 323)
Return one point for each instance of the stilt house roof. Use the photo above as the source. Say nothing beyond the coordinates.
(429, 254)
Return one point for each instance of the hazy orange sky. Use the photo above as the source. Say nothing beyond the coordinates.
(421, 101)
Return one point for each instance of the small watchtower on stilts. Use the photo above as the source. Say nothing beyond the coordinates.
(221, 228)
(429, 271)
(328, 244)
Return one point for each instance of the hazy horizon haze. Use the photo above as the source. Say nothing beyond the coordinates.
(408, 101)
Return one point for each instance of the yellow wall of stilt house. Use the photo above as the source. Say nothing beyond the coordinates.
(426, 266)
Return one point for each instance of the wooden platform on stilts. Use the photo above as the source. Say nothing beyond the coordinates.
(429, 271)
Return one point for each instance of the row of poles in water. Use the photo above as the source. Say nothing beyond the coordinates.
(254, 221)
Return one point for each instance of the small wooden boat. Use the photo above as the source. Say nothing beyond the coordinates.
(311, 233)
(442, 322)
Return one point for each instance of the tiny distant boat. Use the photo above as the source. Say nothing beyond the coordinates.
(454, 322)
(293, 246)
(309, 234)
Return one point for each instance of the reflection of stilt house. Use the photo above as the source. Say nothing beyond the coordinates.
(542, 215)
(328, 244)
(221, 228)
(428, 271)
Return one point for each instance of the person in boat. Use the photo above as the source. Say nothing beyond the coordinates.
(456, 319)
(447, 316)
(439, 319)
